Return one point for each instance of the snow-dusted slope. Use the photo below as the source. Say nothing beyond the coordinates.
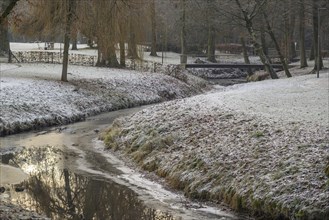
(262, 147)
(32, 96)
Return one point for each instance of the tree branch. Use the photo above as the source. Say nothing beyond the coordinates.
(8, 10)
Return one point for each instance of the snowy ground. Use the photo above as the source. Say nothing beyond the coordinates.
(32, 96)
(261, 147)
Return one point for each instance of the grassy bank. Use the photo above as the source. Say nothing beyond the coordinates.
(33, 97)
(274, 169)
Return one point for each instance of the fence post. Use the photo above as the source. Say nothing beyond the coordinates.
(9, 56)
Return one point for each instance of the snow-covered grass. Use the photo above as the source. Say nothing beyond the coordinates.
(261, 147)
(32, 96)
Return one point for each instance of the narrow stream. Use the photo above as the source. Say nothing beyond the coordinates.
(70, 176)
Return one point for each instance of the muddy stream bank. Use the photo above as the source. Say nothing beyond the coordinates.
(68, 175)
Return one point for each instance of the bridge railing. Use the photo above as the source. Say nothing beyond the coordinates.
(226, 65)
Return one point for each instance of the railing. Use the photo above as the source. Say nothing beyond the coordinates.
(225, 65)
(78, 59)
(53, 57)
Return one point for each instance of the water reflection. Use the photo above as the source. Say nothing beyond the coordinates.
(62, 194)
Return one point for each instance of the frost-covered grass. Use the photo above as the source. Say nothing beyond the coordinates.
(32, 96)
(261, 147)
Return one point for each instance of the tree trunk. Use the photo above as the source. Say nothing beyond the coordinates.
(122, 34)
(317, 55)
(211, 45)
(276, 44)
(70, 12)
(4, 41)
(211, 32)
(75, 40)
(107, 55)
(153, 24)
(291, 30)
(264, 59)
(303, 60)
(183, 28)
(100, 57)
(245, 56)
(65, 57)
(112, 60)
(132, 45)
(312, 55)
(263, 39)
(122, 53)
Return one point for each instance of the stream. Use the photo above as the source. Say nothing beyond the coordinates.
(67, 174)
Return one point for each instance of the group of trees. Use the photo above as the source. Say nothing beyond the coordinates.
(185, 26)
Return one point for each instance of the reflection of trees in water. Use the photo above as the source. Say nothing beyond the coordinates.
(72, 196)
(61, 194)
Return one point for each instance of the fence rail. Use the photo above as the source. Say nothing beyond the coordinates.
(53, 57)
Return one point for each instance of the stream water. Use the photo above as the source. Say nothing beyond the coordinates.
(71, 176)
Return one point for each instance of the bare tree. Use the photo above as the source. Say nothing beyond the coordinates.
(303, 60)
(274, 40)
(153, 26)
(317, 54)
(248, 19)
(183, 31)
(71, 5)
(211, 31)
(245, 55)
(289, 17)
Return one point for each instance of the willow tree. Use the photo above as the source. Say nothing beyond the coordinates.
(111, 23)
(123, 33)
(98, 24)
(43, 19)
(138, 13)
(6, 7)
(106, 33)
(48, 20)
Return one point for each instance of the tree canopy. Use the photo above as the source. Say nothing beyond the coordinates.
(281, 27)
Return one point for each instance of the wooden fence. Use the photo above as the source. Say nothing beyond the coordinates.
(52, 57)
